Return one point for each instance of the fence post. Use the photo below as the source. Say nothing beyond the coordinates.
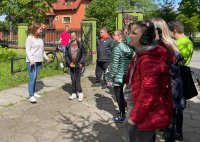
(11, 60)
(93, 22)
(22, 34)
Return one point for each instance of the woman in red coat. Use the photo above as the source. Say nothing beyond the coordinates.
(150, 85)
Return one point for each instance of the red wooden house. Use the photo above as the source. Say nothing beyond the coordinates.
(70, 12)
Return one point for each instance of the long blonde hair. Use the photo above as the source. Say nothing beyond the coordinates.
(166, 33)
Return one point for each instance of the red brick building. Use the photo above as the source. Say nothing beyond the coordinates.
(69, 12)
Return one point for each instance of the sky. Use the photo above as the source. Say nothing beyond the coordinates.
(2, 18)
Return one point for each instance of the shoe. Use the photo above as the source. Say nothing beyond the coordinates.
(118, 119)
(96, 84)
(80, 97)
(36, 95)
(104, 86)
(32, 99)
(117, 112)
(73, 96)
(179, 137)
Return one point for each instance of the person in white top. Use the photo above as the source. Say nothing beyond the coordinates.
(34, 57)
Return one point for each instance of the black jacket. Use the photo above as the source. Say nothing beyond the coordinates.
(80, 58)
(104, 48)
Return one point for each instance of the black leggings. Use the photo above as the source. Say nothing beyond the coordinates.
(120, 99)
(179, 122)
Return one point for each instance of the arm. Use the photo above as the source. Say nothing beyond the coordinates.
(186, 50)
(68, 62)
(82, 52)
(150, 76)
(114, 61)
(28, 50)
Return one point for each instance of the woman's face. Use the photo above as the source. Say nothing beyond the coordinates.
(135, 35)
(39, 30)
(116, 37)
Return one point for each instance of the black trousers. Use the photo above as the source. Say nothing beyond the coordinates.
(175, 127)
(133, 134)
(179, 122)
(76, 79)
(118, 90)
(101, 67)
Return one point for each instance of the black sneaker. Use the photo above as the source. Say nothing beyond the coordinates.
(118, 119)
(179, 137)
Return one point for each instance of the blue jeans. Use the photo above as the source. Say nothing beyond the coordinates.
(33, 72)
(63, 49)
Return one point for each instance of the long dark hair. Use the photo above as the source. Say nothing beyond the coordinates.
(149, 35)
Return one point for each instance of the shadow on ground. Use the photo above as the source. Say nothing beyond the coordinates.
(40, 85)
(67, 87)
(86, 130)
(92, 79)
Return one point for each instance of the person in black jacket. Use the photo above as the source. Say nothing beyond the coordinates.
(104, 45)
(75, 60)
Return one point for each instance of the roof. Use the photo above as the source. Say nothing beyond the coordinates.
(61, 5)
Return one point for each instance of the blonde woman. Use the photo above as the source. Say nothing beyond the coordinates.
(34, 57)
(120, 58)
(164, 33)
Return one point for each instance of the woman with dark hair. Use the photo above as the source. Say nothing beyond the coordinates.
(75, 60)
(34, 57)
(150, 85)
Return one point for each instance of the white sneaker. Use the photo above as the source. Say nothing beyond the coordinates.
(32, 99)
(73, 96)
(36, 95)
(80, 97)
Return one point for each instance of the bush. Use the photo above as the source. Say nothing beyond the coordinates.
(6, 54)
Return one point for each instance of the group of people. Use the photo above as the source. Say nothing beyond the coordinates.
(139, 65)
(147, 62)
(73, 55)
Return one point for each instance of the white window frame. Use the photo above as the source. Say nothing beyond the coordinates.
(57, 18)
(66, 17)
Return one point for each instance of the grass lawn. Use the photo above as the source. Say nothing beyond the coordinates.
(8, 81)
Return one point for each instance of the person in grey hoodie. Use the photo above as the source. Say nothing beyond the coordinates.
(120, 58)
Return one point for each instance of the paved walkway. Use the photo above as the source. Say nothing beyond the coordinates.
(57, 119)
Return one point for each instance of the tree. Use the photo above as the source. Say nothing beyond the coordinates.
(166, 10)
(189, 7)
(105, 10)
(189, 15)
(190, 24)
(18, 11)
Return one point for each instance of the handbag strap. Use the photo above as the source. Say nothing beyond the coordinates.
(132, 69)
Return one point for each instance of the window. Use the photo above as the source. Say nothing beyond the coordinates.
(68, 2)
(57, 18)
(66, 20)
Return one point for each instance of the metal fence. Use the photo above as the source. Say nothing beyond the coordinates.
(8, 37)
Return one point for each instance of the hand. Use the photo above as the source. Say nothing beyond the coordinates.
(80, 65)
(109, 83)
(49, 60)
(32, 62)
(72, 65)
(131, 122)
